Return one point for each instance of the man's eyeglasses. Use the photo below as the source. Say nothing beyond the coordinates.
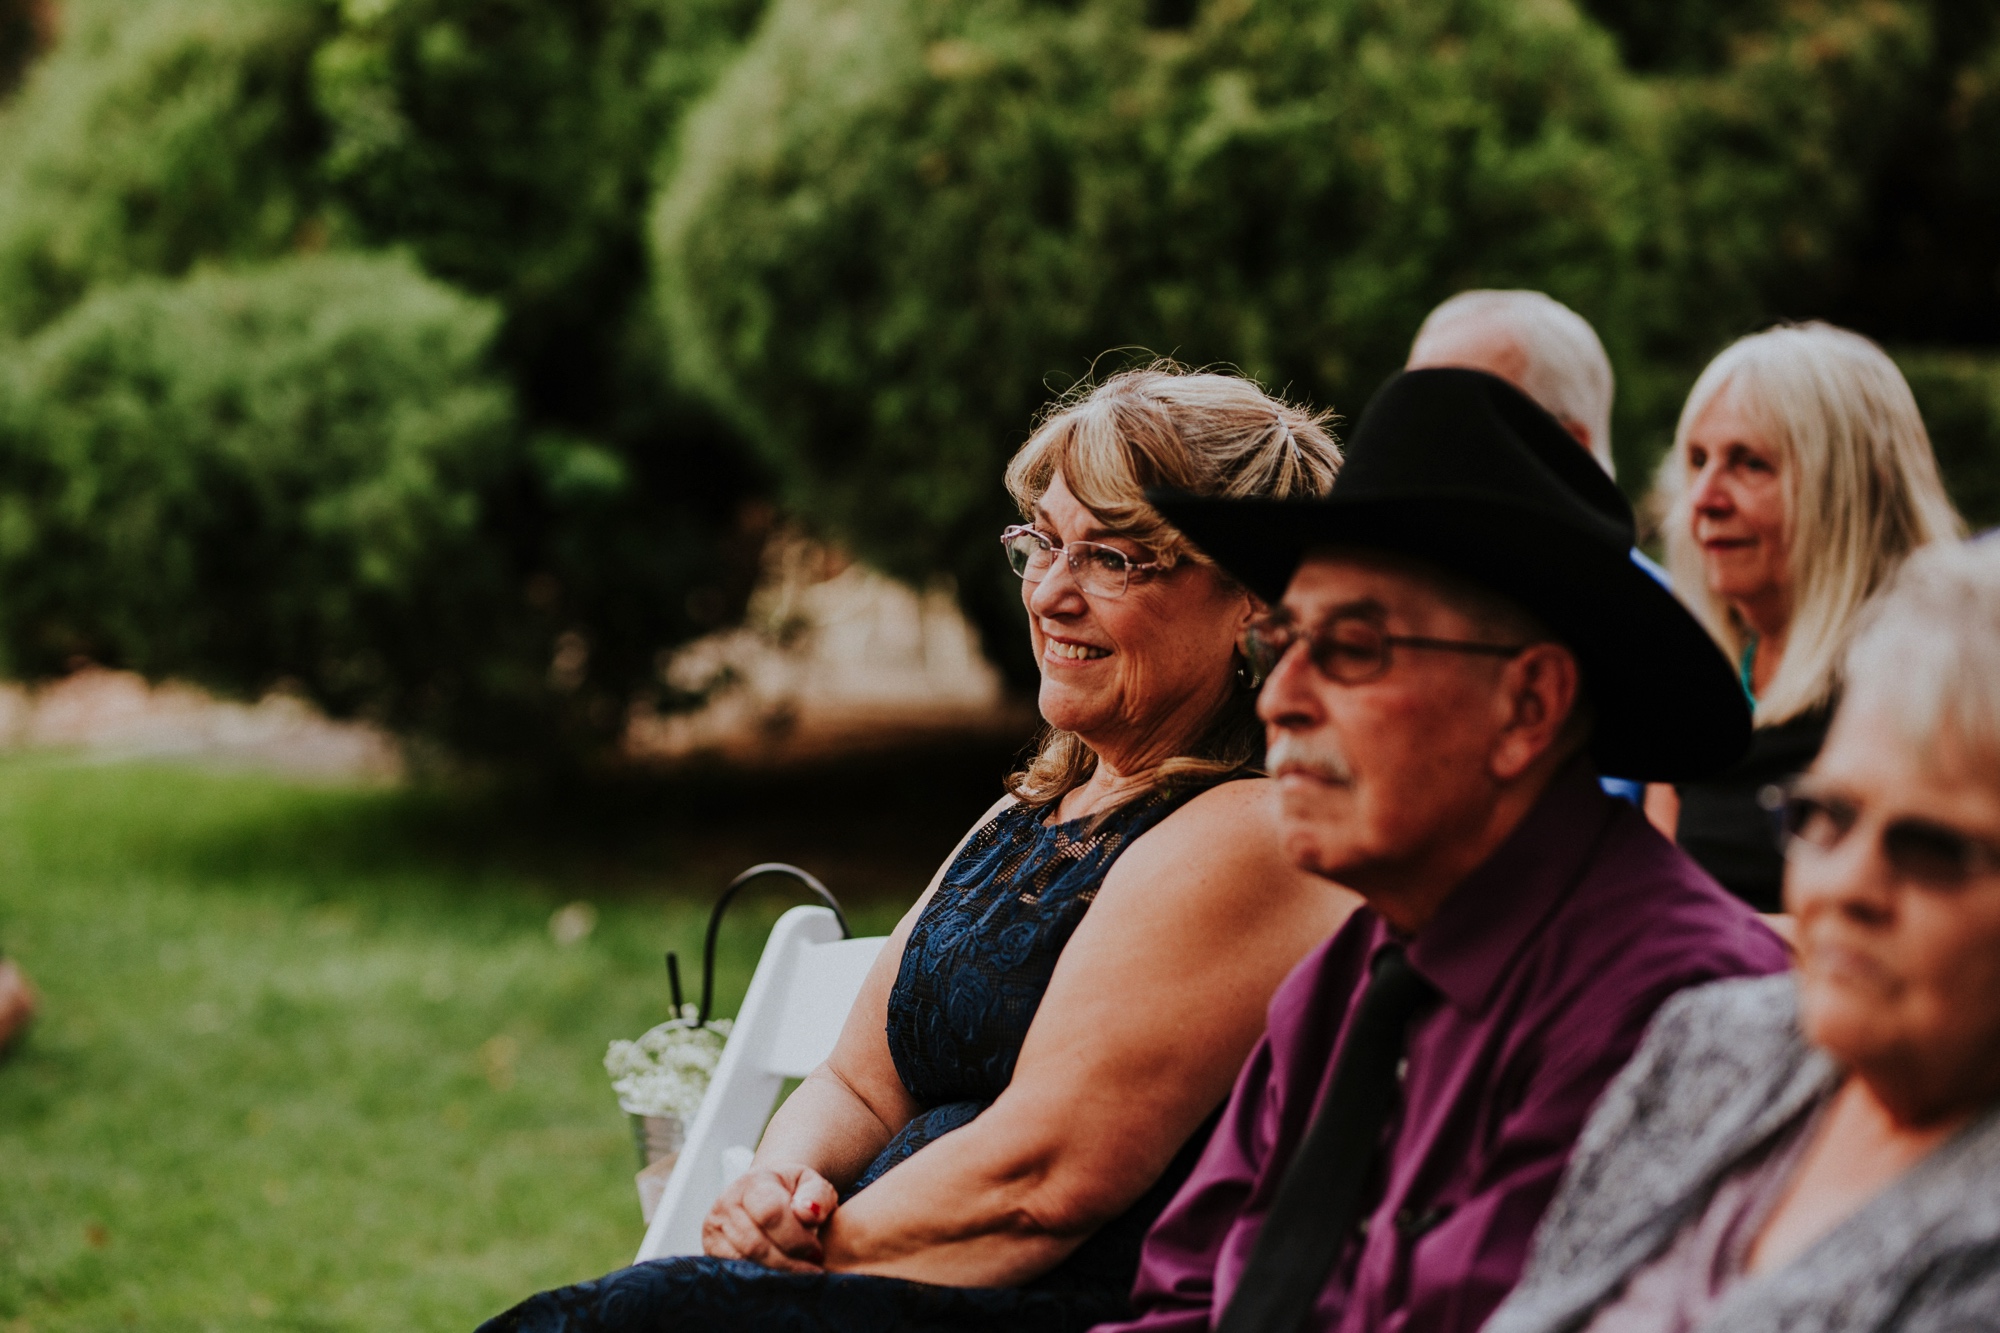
(1350, 647)
(1100, 570)
(1917, 851)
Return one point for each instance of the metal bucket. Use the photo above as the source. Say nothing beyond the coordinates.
(657, 1137)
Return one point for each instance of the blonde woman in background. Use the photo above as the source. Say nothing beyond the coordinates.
(1030, 1069)
(1800, 476)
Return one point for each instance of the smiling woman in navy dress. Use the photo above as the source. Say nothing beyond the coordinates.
(1030, 1068)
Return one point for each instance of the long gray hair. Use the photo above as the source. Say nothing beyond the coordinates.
(1861, 492)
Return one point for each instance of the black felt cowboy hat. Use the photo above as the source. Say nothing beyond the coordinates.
(1461, 469)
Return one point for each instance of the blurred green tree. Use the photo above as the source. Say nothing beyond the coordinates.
(1838, 162)
(1917, 258)
(1959, 393)
(273, 473)
(1763, 186)
(25, 29)
(507, 147)
(511, 146)
(894, 229)
(886, 233)
(152, 136)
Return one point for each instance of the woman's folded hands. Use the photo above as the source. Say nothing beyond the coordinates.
(772, 1215)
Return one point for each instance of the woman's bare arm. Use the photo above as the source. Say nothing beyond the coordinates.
(1152, 1008)
(834, 1124)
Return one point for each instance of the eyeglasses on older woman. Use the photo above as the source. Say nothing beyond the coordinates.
(1918, 852)
(1100, 570)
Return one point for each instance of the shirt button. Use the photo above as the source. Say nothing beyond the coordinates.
(1403, 1069)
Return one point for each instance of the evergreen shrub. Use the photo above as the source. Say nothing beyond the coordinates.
(1959, 393)
(896, 229)
(492, 160)
(154, 135)
(272, 475)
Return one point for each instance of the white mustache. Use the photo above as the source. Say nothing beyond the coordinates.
(1320, 758)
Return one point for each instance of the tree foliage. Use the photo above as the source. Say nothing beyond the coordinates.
(1895, 227)
(626, 264)
(1959, 393)
(896, 227)
(507, 150)
(512, 145)
(150, 137)
(278, 472)
(24, 31)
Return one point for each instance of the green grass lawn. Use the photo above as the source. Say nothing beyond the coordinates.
(310, 1058)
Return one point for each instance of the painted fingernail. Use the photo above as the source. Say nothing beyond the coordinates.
(813, 1208)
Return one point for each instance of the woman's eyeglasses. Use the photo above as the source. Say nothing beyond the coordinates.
(1350, 647)
(1100, 570)
(1917, 851)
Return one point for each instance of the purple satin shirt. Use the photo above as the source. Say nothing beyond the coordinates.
(1550, 960)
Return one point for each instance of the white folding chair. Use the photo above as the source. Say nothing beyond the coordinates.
(791, 1016)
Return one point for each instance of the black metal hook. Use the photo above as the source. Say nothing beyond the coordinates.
(818, 890)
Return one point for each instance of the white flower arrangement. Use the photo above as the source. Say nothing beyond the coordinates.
(666, 1071)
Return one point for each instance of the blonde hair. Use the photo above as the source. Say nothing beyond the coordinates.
(1200, 432)
(1861, 491)
(1567, 373)
(1927, 648)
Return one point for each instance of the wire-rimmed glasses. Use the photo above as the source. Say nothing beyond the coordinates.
(1100, 570)
(1349, 647)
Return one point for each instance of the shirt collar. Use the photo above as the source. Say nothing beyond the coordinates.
(1489, 918)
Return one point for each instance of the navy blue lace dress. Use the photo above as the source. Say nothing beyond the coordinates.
(978, 961)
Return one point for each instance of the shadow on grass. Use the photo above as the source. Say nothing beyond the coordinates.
(874, 827)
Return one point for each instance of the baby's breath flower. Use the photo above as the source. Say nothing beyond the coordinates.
(667, 1070)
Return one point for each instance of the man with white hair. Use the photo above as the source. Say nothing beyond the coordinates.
(1535, 343)
(1549, 352)
(1460, 640)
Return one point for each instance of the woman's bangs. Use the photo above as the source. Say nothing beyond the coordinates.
(1099, 468)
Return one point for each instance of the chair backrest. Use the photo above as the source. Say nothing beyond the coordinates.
(791, 1016)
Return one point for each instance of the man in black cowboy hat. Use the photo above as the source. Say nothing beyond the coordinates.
(1461, 640)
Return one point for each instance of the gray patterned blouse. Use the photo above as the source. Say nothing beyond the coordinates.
(1721, 1072)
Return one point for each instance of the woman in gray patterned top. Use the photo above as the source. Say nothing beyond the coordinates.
(1822, 1151)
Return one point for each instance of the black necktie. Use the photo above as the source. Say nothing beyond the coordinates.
(1320, 1196)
